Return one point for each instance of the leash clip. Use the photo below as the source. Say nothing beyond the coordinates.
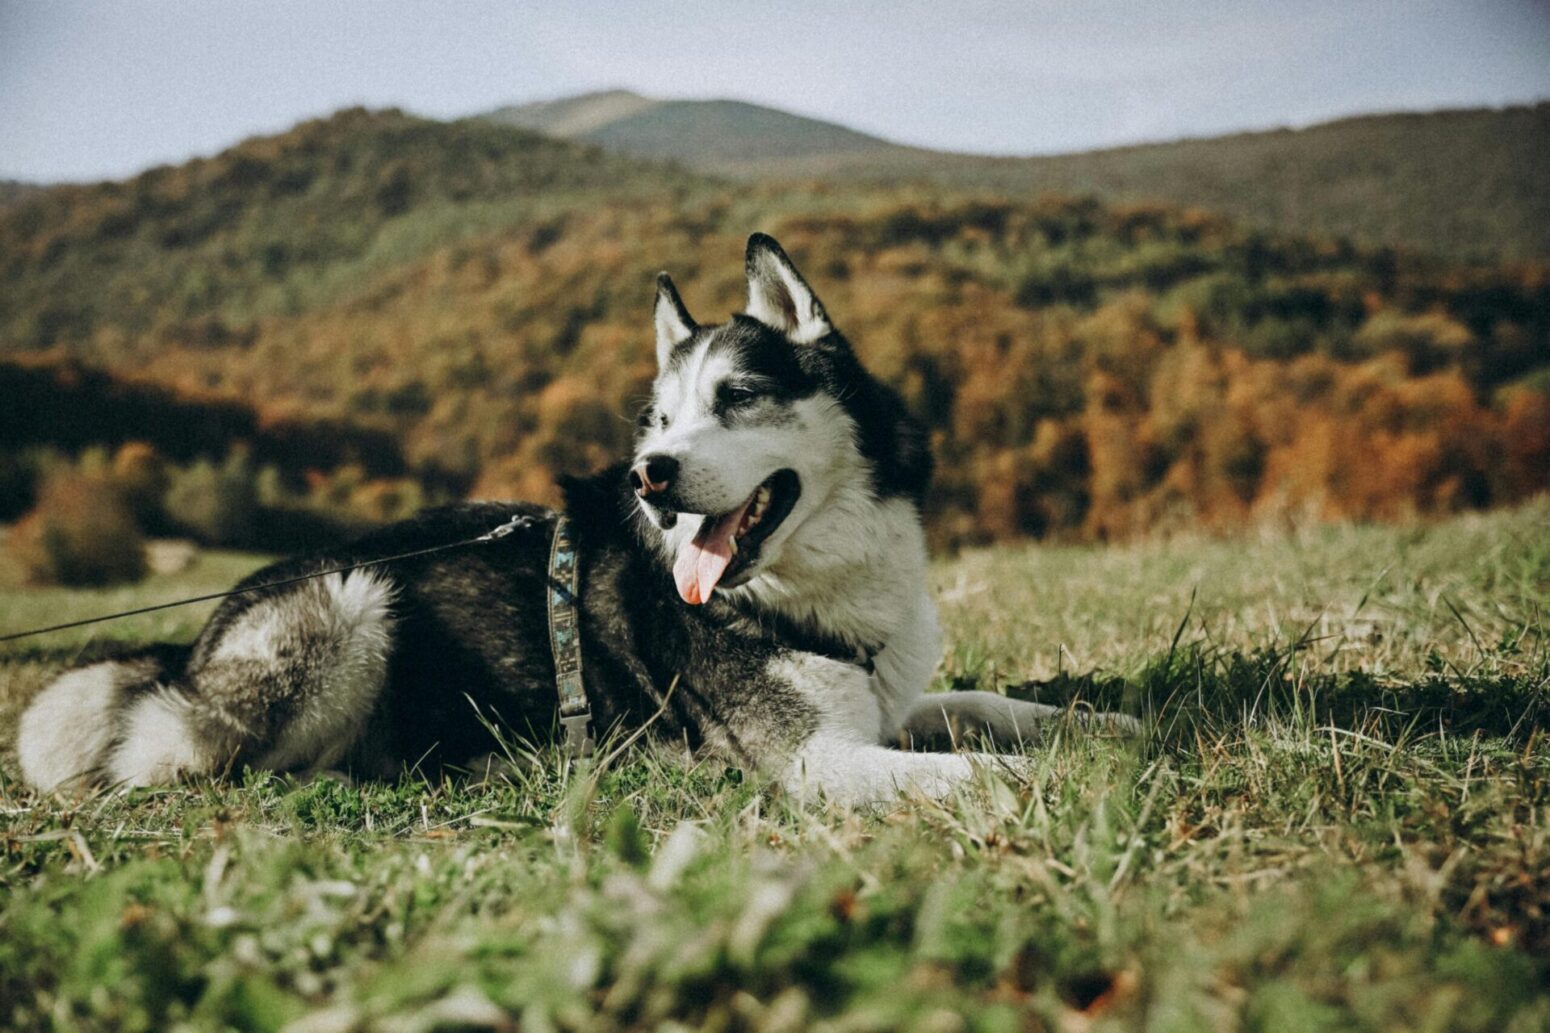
(507, 528)
(578, 737)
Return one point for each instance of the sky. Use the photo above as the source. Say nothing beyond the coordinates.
(103, 90)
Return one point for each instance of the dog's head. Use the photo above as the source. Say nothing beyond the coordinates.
(765, 435)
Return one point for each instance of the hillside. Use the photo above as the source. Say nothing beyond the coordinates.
(12, 190)
(481, 295)
(1467, 184)
(278, 224)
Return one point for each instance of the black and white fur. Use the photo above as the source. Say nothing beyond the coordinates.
(808, 662)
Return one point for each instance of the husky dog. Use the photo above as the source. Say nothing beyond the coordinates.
(753, 582)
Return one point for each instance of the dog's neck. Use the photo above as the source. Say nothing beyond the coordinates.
(853, 578)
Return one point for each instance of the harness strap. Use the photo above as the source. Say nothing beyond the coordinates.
(565, 640)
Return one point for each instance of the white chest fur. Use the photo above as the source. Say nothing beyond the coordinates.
(859, 574)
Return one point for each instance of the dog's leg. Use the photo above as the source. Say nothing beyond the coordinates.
(286, 683)
(842, 758)
(996, 721)
(856, 773)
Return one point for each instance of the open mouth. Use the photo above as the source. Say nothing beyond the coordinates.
(727, 545)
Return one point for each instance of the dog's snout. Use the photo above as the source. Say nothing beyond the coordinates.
(653, 475)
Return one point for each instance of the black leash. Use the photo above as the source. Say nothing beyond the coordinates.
(495, 534)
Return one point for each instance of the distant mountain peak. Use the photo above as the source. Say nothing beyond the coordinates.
(575, 116)
(694, 131)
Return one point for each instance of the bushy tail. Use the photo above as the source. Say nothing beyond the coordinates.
(70, 729)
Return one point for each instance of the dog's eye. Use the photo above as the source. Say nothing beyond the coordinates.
(730, 396)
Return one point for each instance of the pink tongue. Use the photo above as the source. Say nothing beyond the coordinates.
(703, 560)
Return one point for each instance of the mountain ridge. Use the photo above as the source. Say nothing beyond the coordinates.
(1469, 183)
(271, 224)
(13, 190)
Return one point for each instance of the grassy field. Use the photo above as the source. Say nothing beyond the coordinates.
(1340, 819)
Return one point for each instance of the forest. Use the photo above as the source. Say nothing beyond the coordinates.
(464, 308)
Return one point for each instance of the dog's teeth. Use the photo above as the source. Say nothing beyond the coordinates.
(755, 513)
(733, 546)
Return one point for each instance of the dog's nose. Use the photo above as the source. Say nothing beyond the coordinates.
(653, 475)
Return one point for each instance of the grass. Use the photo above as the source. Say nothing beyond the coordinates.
(1338, 821)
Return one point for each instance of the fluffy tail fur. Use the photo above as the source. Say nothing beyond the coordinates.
(70, 730)
(284, 681)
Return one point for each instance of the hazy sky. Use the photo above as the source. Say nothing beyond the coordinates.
(104, 89)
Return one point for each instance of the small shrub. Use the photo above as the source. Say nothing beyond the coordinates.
(81, 533)
(140, 474)
(218, 505)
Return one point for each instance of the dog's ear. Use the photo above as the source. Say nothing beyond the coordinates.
(674, 324)
(778, 297)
